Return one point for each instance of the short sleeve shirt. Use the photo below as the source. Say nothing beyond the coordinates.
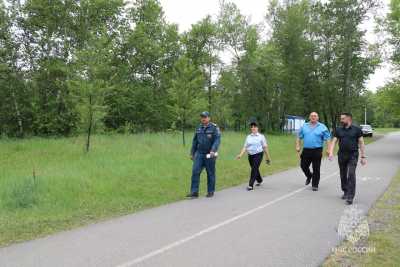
(348, 138)
(255, 143)
(314, 137)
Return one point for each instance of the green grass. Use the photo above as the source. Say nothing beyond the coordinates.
(367, 140)
(384, 223)
(49, 185)
(385, 130)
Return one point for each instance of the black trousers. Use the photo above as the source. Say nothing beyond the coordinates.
(255, 162)
(347, 166)
(311, 156)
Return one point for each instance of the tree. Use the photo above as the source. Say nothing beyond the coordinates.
(232, 29)
(388, 100)
(203, 46)
(344, 60)
(185, 92)
(93, 70)
(234, 32)
(146, 56)
(393, 21)
(45, 32)
(75, 66)
(298, 90)
(15, 109)
(90, 81)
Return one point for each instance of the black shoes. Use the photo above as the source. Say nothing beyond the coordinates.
(192, 195)
(349, 201)
(196, 195)
(315, 188)
(249, 188)
(308, 181)
(259, 183)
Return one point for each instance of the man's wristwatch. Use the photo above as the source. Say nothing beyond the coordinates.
(364, 157)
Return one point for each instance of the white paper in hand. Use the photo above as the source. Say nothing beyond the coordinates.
(209, 155)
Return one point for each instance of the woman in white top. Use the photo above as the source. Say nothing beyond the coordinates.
(255, 146)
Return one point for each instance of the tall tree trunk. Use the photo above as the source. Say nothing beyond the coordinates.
(347, 77)
(333, 115)
(282, 120)
(19, 117)
(209, 88)
(90, 126)
(183, 128)
(325, 116)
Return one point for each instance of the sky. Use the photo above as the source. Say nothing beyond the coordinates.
(187, 12)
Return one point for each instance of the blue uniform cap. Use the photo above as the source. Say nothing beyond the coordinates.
(205, 114)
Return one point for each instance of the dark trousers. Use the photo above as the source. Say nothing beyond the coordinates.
(200, 162)
(255, 162)
(347, 166)
(311, 156)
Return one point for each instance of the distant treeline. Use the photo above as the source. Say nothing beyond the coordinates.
(73, 66)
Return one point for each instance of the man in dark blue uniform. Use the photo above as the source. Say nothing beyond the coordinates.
(204, 150)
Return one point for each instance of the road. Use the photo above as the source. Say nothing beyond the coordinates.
(282, 223)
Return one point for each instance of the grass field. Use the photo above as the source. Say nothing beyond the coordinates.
(386, 130)
(384, 238)
(48, 185)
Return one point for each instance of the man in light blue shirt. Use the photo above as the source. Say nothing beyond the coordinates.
(313, 134)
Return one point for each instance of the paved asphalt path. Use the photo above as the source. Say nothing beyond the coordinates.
(282, 223)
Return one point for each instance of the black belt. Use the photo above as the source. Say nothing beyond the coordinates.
(352, 152)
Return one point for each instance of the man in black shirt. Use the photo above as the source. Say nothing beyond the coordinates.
(350, 141)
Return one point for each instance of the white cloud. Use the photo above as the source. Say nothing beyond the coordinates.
(187, 12)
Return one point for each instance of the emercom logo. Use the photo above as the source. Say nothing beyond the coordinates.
(353, 227)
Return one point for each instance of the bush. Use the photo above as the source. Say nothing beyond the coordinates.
(21, 194)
